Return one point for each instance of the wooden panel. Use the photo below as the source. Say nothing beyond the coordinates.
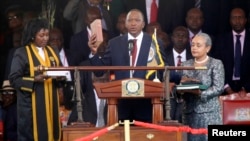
(136, 134)
(70, 134)
(113, 89)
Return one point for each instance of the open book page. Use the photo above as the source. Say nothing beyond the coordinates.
(191, 86)
(55, 74)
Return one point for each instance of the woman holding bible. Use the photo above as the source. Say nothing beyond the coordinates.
(37, 96)
(201, 106)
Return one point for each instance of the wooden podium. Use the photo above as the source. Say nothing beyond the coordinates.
(112, 91)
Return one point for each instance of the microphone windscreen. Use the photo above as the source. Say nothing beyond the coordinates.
(130, 45)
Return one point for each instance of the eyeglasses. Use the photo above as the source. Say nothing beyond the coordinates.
(10, 92)
(12, 17)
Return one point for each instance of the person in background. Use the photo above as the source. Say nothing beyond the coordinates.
(64, 111)
(37, 95)
(177, 54)
(215, 13)
(14, 18)
(167, 15)
(225, 47)
(9, 112)
(194, 22)
(79, 42)
(201, 107)
(150, 29)
(29, 15)
(120, 25)
(67, 58)
(91, 104)
(14, 15)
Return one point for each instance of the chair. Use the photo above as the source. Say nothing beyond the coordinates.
(236, 108)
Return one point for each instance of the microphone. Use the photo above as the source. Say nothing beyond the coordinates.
(52, 59)
(130, 46)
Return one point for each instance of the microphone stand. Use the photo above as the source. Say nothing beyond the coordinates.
(79, 106)
(130, 64)
(130, 48)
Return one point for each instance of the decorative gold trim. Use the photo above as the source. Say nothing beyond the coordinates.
(26, 89)
(28, 78)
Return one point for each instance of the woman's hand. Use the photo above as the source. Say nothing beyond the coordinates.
(40, 78)
(192, 91)
(188, 79)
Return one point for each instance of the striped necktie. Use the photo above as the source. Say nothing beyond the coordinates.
(134, 52)
(153, 11)
(237, 58)
(179, 60)
(197, 4)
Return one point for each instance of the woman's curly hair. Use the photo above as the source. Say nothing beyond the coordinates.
(32, 28)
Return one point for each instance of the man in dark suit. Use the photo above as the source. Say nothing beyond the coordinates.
(168, 15)
(91, 104)
(215, 14)
(67, 58)
(226, 51)
(194, 22)
(90, 100)
(174, 56)
(117, 54)
(79, 42)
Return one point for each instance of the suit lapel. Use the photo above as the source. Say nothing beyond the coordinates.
(143, 54)
(144, 50)
(246, 45)
(231, 48)
(171, 59)
(124, 47)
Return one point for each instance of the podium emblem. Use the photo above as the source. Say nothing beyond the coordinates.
(132, 88)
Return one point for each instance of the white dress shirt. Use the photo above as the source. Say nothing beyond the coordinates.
(176, 54)
(138, 44)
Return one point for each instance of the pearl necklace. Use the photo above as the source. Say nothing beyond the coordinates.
(200, 62)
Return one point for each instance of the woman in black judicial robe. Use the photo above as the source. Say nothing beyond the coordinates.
(37, 98)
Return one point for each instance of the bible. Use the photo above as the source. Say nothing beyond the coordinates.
(96, 28)
(191, 85)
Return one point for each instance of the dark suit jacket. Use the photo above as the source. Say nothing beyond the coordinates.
(170, 56)
(176, 108)
(117, 54)
(88, 98)
(225, 51)
(79, 46)
(168, 14)
(68, 87)
(8, 63)
(215, 12)
(170, 62)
